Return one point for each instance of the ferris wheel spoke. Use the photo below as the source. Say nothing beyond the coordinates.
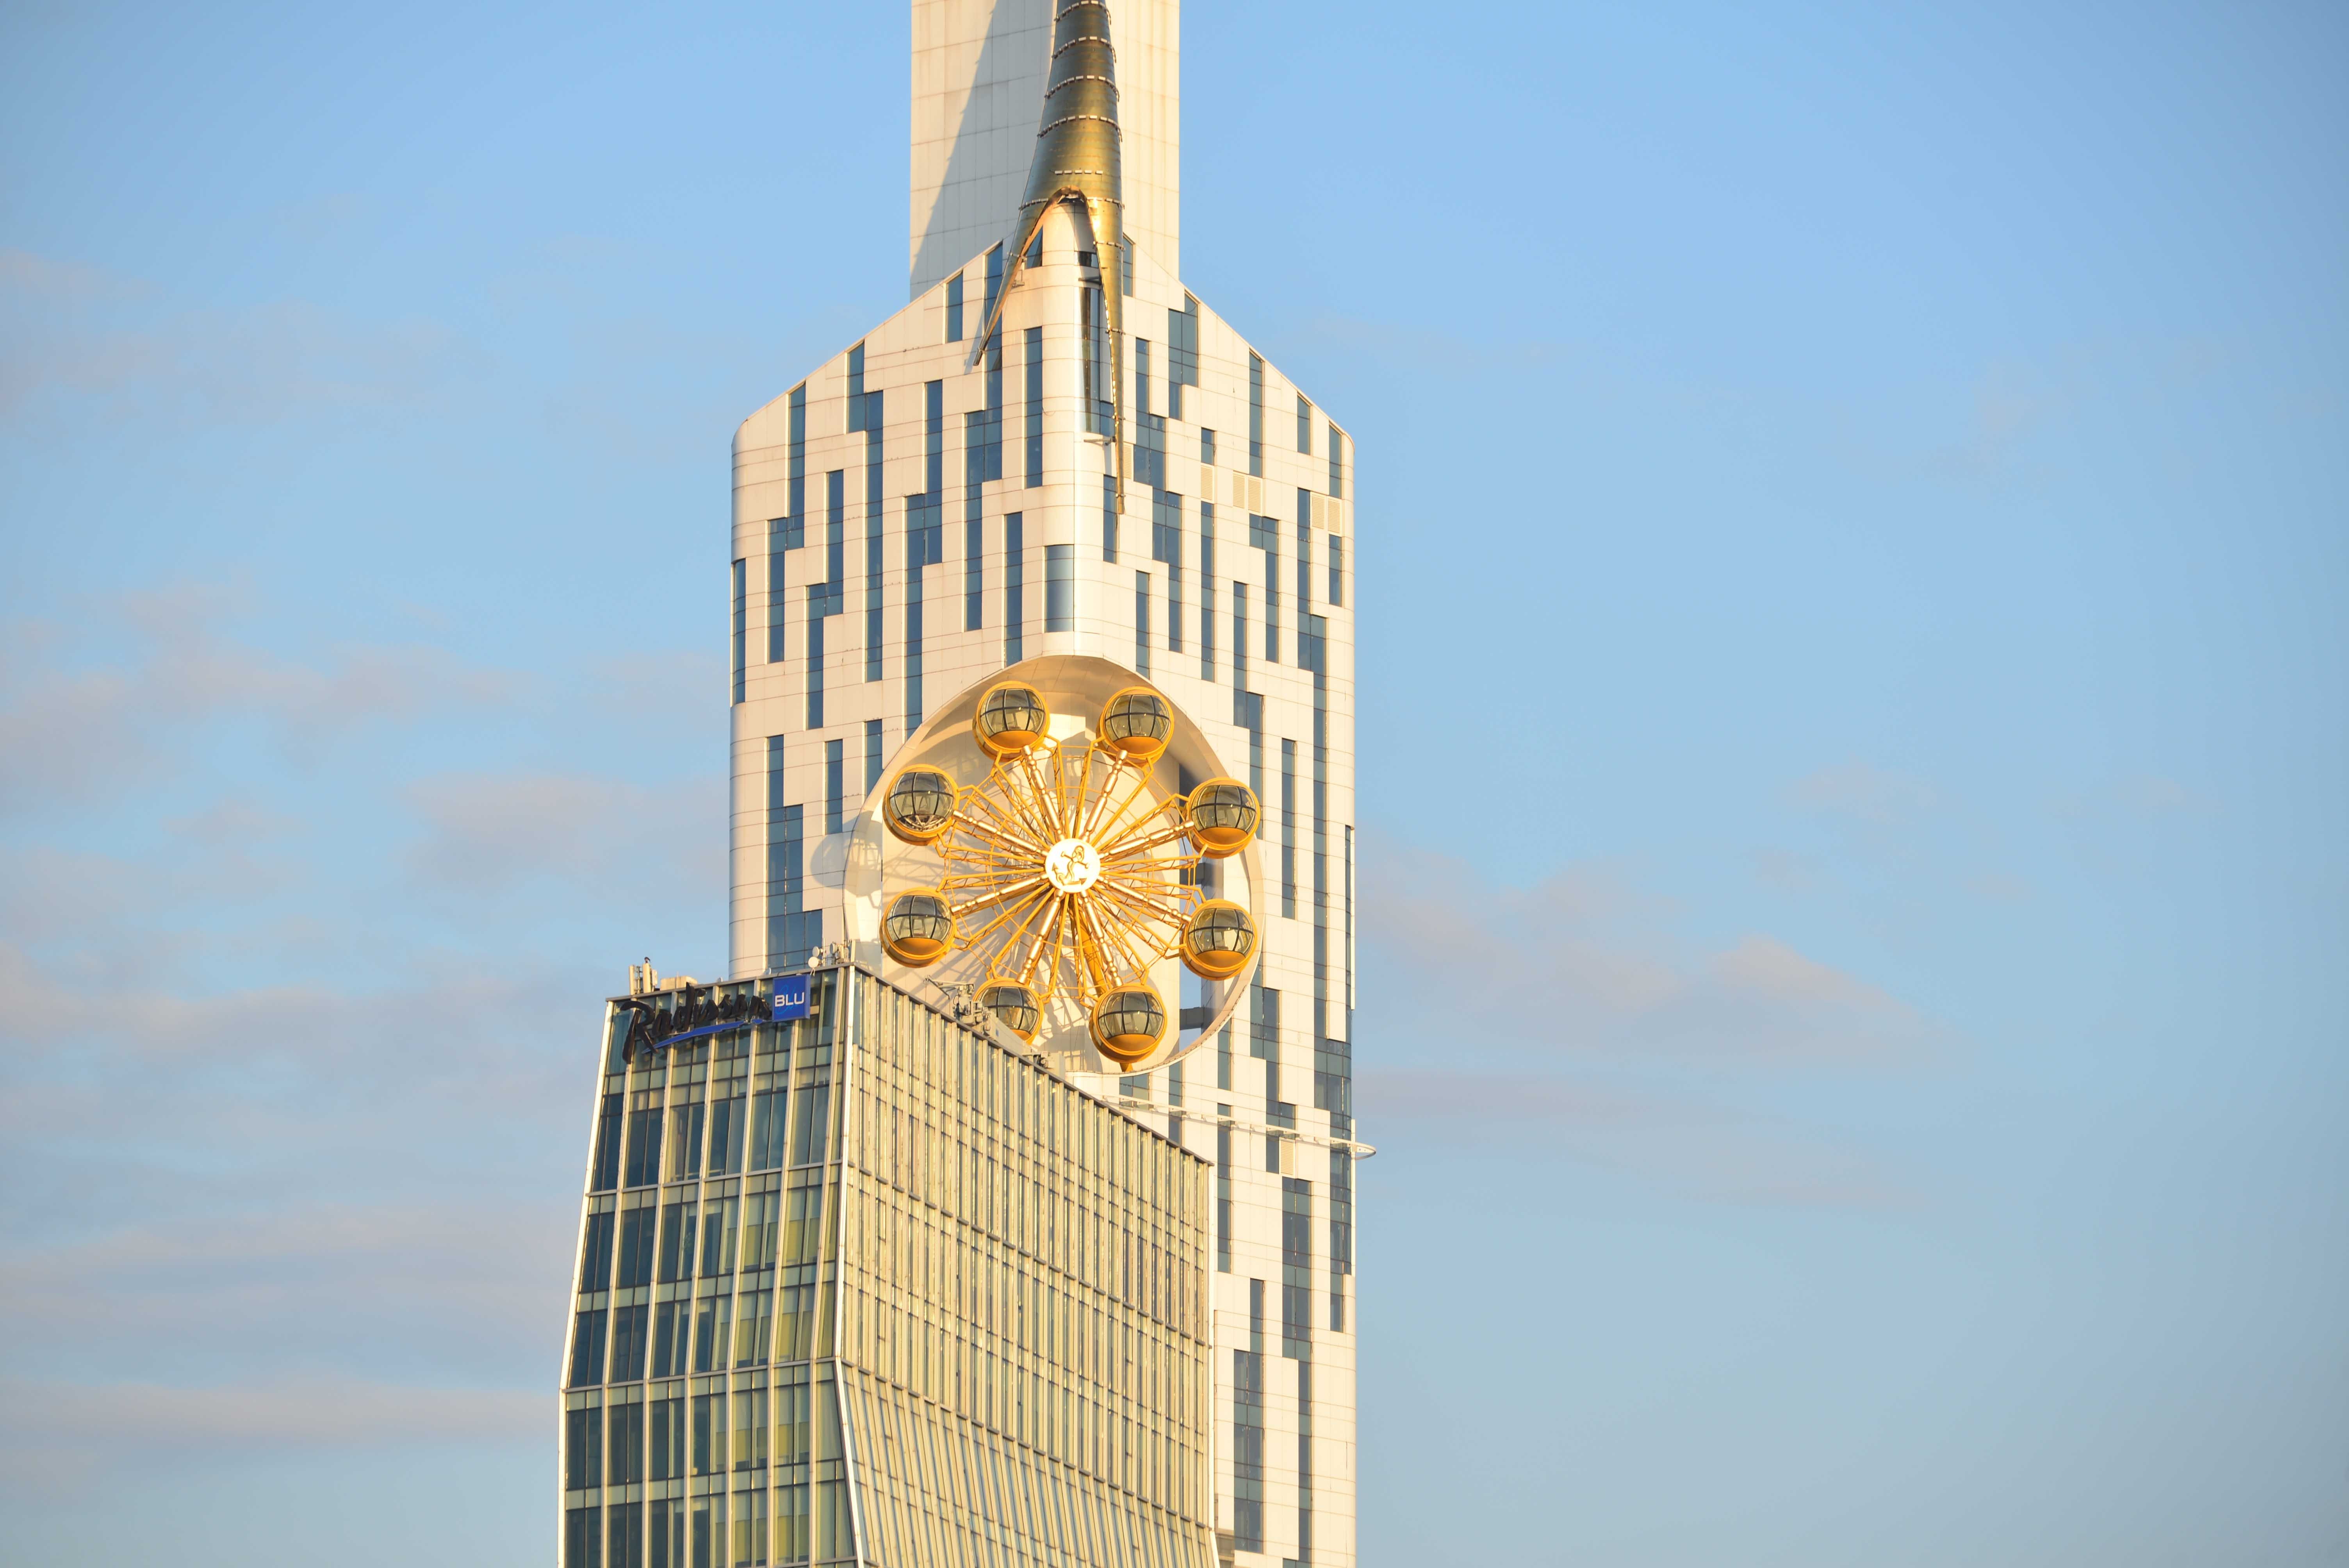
(1104, 815)
(1125, 844)
(993, 838)
(984, 865)
(1112, 820)
(1049, 944)
(1029, 807)
(987, 858)
(1053, 802)
(1140, 910)
(1173, 827)
(1144, 895)
(1011, 903)
(1160, 868)
(1134, 949)
(1026, 933)
(1131, 928)
(1096, 948)
(998, 827)
(1118, 834)
(990, 899)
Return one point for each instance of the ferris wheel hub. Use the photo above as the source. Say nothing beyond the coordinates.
(1073, 865)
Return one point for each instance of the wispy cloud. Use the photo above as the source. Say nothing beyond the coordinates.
(1681, 1144)
(487, 832)
(71, 731)
(1423, 348)
(291, 1412)
(68, 1436)
(1579, 964)
(313, 1285)
(69, 332)
(1865, 793)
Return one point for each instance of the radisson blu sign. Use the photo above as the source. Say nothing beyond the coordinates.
(699, 1011)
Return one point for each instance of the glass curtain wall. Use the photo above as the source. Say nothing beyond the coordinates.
(871, 1288)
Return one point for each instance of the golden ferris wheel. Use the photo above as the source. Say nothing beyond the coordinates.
(1060, 881)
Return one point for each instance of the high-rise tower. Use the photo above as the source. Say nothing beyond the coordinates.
(1043, 704)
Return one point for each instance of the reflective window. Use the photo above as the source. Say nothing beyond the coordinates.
(1141, 622)
(635, 1247)
(1034, 341)
(835, 785)
(1256, 414)
(1182, 355)
(1288, 828)
(588, 1347)
(596, 1251)
(741, 624)
(631, 1329)
(1060, 588)
(1015, 588)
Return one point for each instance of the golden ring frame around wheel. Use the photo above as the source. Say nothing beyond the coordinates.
(1068, 870)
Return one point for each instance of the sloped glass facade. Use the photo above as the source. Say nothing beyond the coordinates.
(869, 1288)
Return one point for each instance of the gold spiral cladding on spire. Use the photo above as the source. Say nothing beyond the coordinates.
(1077, 143)
(1078, 159)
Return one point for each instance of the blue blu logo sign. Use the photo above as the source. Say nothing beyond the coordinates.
(790, 998)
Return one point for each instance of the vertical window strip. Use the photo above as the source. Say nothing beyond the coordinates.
(794, 930)
(798, 468)
(1240, 638)
(741, 625)
(1350, 931)
(1206, 591)
(1304, 426)
(954, 308)
(974, 574)
(835, 785)
(1034, 341)
(1015, 588)
(1166, 547)
(1094, 325)
(872, 754)
(789, 531)
(1109, 517)
(1141, 622)
(924, 541)
(824, 599)
(1182, 355)
(778, 645)
(981, 435)
(1288, 828)
(1060, 588)
(1223, 1157)
(1304, 553)
(873, 535)
(1256, 414)
(1265, 534)
(1337, 463)
(1341, 1233)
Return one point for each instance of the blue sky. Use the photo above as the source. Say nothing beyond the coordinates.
(1853, 575)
